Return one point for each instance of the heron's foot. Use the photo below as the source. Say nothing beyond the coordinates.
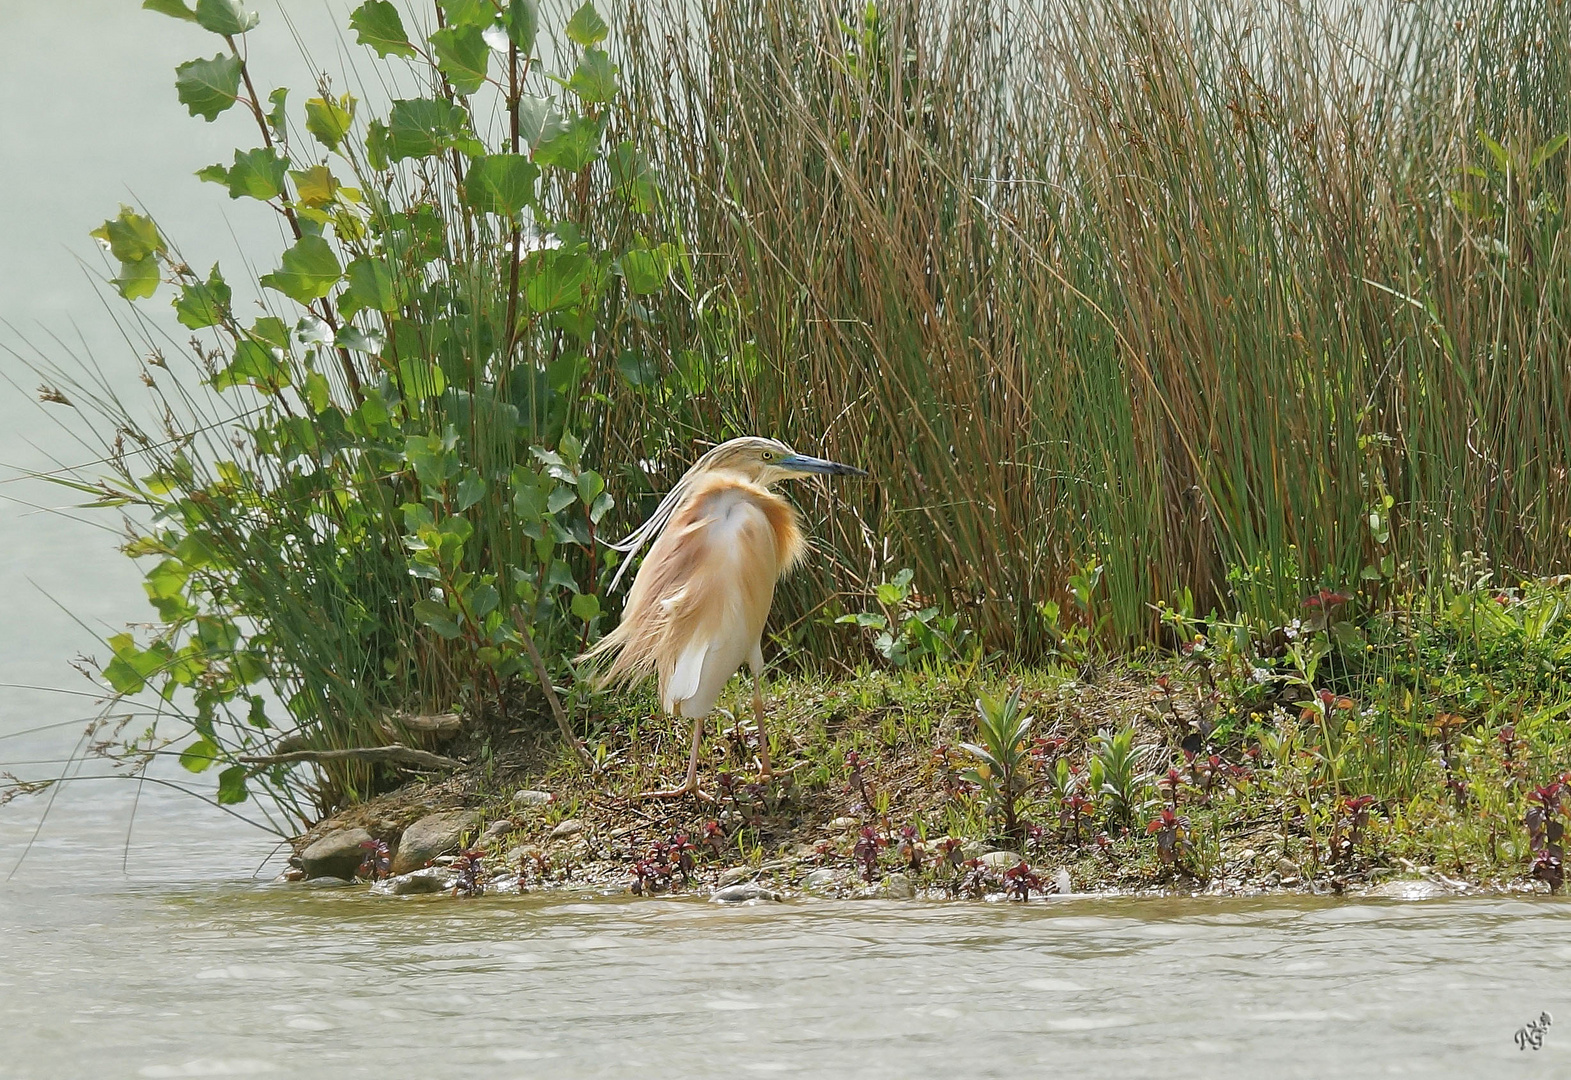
(690, 788)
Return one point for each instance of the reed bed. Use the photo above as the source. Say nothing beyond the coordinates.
(1233, 301)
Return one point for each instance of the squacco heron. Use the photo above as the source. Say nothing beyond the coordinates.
(697, 608)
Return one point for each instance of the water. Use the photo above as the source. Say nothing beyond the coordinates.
(150, 950)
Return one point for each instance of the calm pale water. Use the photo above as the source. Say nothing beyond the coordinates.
(149, 949)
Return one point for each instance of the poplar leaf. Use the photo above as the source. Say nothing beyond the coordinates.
(463, 56)
(225, 17)
(309, 272)
(208, 87)
(500, 184)
(378, 26)
(586, 27)
(329, 120)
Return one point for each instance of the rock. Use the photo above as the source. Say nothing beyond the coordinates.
(973, 849)
(338, 854)
(564, 829)
(432, 835)
(327, 883)
(1409, 890)
(747, 890)
(1064, 883)
(523, 853)
(844, 824)
(528, 797)
(999, 861)
(498, 829)
(1247, 855)
(433, 879)
(898, 887)
(1286, 868)
(821, 880)
(735, 874)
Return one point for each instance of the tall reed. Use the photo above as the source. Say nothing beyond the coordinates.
(1186, 289)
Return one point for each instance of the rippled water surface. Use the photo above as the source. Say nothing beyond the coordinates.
(148, 951)
(222, 981)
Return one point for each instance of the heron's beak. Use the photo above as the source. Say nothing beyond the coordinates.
(801, 463)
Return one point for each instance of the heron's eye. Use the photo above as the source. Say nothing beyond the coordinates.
(769, 455)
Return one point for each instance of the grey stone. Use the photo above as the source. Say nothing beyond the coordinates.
(898, 887)
(821, 879)
(338, 854)
(521, 854)
(432, 835)
(741, 893)
(845, 824)
(1286, 868)
(432, 879)
(1000, 861)
(565, 829)
(973, 849)
(498, 829)
(735, 874)
(529, 797)
(1063, 881)
(327, 883)
(1409, 890)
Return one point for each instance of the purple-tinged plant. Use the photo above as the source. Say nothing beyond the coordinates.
(856, 783)
(1169, 786)
(378, 861)
(950, 849)
(714, 837)
(1348, 832)
(471, 877)
(866, 852)
(681, 855)
(1172, 836)
(910, 849)
(1546, 834)
(1019, 882)
(979, 877)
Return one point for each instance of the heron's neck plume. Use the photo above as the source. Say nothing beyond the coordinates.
(631, 544)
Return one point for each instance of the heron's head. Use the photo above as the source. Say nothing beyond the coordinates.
(768, 461)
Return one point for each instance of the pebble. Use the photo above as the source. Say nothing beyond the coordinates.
(1409, 890)
(898, 887)
(520, 854)
(327, 883)
(735, 874)
(999, 861)
(336, 855)
(821, 879)
(432, 835)
(498, 829)
(564, 829)
(528, 797)
(741, 893)
(430, 880)
(1287, 868)
(845, 824)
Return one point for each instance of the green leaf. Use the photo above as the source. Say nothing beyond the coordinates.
(277, 119)
(558, 280)
(594, 80)
(471, 489)
(317, 392)
(366, 341)
(586, 606)
(130, 236)
(231, 785)
(328, 120)
(560, 499)
(438, 618)
(573, 145)
(421, 378)
(174, 8)
(377, 25)
(463, 56)
(483, 600)
(1496, 151)
(208, 87)
(199, 756)
(468, 13)
(636, 368)
(1548, 150)
(421, 127)
(371, 284)
(523, 22)
(138, 280)
(225, 17)
(500, 184)
(645, 269)
(253, 364)
(590, 485)
(257, 174)
(200, 305)
(586, 27)
(316, 186)
(309, 272)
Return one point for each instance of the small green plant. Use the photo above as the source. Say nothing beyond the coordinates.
(1116, 777)
(1003, 761)
(907, 633)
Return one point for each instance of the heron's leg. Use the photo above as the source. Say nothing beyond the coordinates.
(756, 662)
(690, 785)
